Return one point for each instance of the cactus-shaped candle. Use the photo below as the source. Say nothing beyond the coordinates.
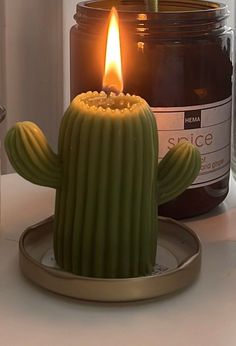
(108, 181)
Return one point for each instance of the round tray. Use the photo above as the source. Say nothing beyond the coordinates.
(178, 263)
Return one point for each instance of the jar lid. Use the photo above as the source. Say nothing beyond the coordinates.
(178, 263)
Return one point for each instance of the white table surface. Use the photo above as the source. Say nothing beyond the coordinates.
(203, 314)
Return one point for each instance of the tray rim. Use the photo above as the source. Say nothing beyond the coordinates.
(192, 265)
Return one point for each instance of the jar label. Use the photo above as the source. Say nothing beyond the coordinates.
(208, 127)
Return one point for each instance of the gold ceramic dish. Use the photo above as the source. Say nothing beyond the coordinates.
(178, 264)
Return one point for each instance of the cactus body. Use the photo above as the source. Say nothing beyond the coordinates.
(106, 214)
(107, 182)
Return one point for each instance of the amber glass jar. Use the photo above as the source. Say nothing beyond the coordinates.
(179, 60)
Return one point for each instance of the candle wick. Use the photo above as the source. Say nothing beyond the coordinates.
(108, 89)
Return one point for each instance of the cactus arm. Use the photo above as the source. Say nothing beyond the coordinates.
(177, 170)
(31, 156)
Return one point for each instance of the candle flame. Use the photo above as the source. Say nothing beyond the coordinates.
(112, 79)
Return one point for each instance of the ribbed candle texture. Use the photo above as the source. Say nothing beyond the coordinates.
(106, 208)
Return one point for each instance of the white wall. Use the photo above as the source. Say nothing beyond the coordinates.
(2, 56)
(231, 5)
(2, 70)
(33, 64)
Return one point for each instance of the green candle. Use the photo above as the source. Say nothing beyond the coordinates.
(108, 149)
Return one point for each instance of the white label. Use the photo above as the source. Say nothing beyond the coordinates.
(208, 127)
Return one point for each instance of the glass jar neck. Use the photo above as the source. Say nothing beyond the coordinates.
(175, 18)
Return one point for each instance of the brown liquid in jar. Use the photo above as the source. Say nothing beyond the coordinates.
(180, 56)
